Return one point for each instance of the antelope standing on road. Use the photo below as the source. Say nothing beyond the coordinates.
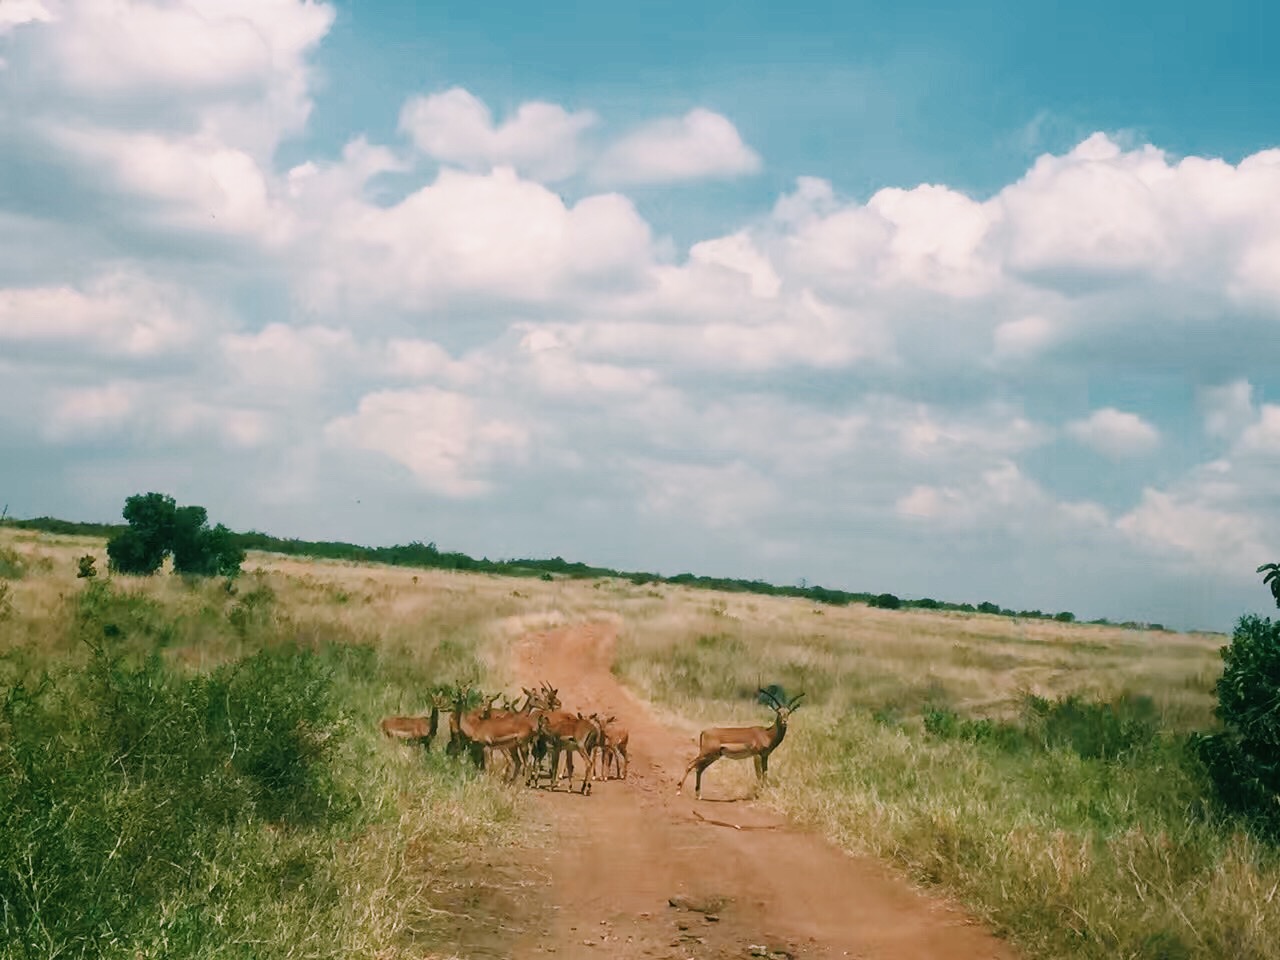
(739, 743)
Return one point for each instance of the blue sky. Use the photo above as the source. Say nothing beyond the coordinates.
(970, 304)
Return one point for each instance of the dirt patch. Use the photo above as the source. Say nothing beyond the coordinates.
(636, 871)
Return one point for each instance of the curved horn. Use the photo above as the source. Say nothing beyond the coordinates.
(772, 698)
(795, 701)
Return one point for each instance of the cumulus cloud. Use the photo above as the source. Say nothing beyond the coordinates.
(1023, 337)
(1192, 528)
(1115, 433)
(881, 371)
(540, 139)
(492, 235)
(121, 314)
(1227, 409)
(700, 145)
(445, 441)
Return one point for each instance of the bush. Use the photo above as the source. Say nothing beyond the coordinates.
(885, 601)
(159, 527)
(1243, 759)
(1097, 730)
(85, 567)
(119, 782)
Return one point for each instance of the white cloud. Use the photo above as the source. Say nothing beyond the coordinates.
(540, 139)
(1227, 409)
(197, 183)
(739, 254)
(494, 235)
(1115, 434)
(15, 13)
(700, 145)
(1024, 337)
(442, 437)
(280, 363)
(834, 371)
(722, 498)
(118, 314)
(1263, 437)
(1190, 527)
(93, 410)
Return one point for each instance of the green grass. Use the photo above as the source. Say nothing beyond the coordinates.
(188, 770)
(1076, 822)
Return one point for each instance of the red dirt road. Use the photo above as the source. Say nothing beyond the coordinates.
(772, 890)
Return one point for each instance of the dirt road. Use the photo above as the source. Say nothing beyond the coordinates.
(620, 855)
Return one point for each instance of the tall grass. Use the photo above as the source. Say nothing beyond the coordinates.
(1038, 773)
(190, 768)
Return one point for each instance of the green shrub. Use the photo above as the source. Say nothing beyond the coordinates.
(885, 601)
(1098, 730)
(1243, 759)
(159, 527)
(119, 782)
(1102, 730)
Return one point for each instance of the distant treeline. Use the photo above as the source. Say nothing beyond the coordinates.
(427, 555)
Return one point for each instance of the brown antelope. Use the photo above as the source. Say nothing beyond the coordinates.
(738, 743)
(613, 746)
(488, 731)
(415, 729)
(570, 733)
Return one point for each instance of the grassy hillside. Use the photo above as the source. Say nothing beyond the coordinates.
(1034, 770)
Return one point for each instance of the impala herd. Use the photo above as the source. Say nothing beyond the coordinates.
(532, 733)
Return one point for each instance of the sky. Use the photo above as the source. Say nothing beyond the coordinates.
(904, 298)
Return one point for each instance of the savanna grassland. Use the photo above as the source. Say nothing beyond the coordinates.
(196, 771)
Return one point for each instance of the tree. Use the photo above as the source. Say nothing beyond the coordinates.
(158, 527)
(1272, 578)
(1243, 759)
(885, 601)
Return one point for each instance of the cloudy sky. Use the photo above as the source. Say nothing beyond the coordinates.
(979, 307)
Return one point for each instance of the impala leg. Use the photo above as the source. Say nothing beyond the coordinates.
(688, 770)
(703, 763)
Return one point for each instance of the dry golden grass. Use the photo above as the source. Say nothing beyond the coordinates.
(1069, 857)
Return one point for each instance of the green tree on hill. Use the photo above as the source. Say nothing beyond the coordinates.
(158, 527)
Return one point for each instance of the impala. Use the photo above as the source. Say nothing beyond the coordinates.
(506, 732)
(739, 743)
(613, 745)
(416, 729)
(570, 733)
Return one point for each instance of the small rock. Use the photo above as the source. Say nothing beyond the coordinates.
(710, 918)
